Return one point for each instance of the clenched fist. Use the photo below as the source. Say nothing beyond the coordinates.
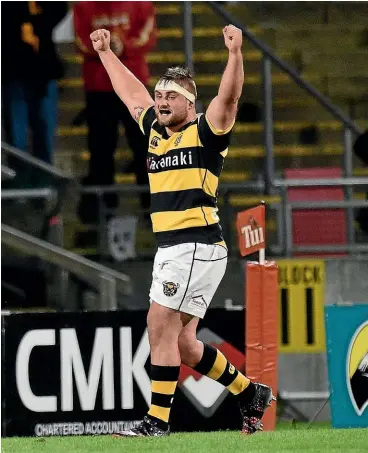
(233, 38)
(100, 40)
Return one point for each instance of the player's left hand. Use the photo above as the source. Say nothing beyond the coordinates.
(233, 38)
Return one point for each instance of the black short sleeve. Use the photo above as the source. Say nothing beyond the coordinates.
(212, 137)
(146, 120)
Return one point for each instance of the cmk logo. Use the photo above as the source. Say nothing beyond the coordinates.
(204, 393)
(97, 376)
(72, 371)
(253, 234)
(357, 369)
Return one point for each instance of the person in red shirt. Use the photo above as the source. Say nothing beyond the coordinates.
(133, 34)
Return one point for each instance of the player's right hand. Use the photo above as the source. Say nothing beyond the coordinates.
(100, 40)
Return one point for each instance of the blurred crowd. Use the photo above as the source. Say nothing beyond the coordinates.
(31, 68)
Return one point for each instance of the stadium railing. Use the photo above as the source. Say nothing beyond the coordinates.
(287, 248)
(51, 184)
(107, 281)
(284, 245)
(7, 173)
(12, 152)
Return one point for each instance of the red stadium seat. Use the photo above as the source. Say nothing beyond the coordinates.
(317, 226)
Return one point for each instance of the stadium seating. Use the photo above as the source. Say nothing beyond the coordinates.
(327, 46)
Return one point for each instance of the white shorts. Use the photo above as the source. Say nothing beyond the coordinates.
(185, 277)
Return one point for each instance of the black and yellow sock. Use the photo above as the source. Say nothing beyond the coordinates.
(215, 365)
(164, 380)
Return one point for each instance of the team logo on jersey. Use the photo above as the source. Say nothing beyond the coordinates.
(357, 369)
(154, 142)
(178, 140)
(170, 288)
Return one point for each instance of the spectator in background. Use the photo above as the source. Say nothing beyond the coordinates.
(133, 34)
(30, 68)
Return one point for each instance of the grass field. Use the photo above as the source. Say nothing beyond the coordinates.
(319, 439)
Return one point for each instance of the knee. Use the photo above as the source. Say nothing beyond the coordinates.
(190, 348)
(162, 326)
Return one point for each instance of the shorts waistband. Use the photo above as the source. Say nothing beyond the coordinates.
(211, 234)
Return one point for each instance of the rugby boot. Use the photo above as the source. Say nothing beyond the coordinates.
(252, 411)
(147, 428)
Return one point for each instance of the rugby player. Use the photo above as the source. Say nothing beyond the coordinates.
(185, 158)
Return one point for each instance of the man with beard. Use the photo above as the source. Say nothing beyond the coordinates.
(185, 159)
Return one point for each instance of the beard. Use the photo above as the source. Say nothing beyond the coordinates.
(170, 120)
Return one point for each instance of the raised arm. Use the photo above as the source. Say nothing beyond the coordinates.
(222, 110)
(130, 90)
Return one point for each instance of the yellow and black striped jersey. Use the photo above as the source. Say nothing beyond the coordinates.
(184, 171)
